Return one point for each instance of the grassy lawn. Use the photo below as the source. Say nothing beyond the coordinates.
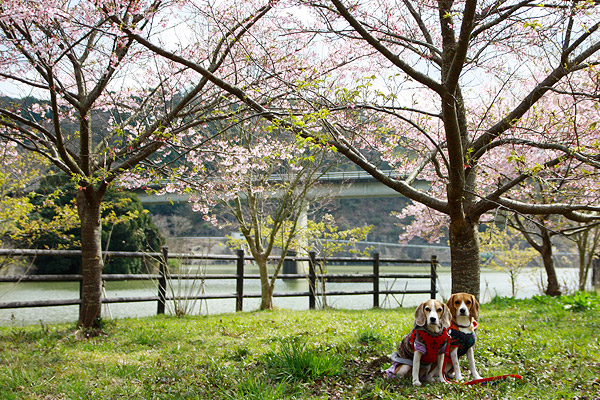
(554, 344)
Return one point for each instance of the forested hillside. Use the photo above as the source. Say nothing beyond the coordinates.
(179, 220)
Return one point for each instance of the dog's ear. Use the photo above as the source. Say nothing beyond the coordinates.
(474, 308)
(420, 317)
(450, 304)
(446, 316)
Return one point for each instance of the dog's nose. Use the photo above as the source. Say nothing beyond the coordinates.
(433, 319)
(463, 310)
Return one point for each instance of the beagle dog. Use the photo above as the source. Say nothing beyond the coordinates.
(464, 309)
(425, 344)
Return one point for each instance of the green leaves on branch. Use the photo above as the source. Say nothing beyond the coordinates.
(534, 25)
(514, 157)
(506, 252)
(326, 237)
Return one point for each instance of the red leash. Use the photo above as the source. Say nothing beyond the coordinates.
(485, 381)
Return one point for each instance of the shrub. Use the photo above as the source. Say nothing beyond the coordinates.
(581, 301)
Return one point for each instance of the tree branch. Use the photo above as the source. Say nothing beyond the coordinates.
(387, 53)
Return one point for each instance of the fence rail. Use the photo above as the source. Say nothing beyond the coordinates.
(163, 277)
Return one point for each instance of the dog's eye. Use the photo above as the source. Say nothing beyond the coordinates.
(427, 309)
(439, 310)
(468, 302)
(457, 302)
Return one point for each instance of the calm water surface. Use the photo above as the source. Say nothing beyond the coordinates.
(492, 283)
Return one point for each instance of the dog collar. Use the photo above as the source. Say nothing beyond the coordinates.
(473, 323)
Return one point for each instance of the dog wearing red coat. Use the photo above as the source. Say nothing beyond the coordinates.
(424, 346)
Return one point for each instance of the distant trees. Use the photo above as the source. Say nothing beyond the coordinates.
(538, 232)
(47, 218)
(126, 226)
(326, 239)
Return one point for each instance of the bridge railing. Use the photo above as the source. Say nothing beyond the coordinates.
(163, 277)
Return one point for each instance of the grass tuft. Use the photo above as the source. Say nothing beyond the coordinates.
(368, 335)
(257, 388)
(296, 361)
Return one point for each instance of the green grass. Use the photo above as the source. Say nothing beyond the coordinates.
(553, 343)
(297, 361)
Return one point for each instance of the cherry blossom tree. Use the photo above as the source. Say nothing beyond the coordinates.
(442, 91)
(264, 179)
(480, 139)
(107, 105)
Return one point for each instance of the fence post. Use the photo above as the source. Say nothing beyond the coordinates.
(80, 286)
(239, 281)
(312, 280)
(162, 281)
(433, 276)
(375, 280)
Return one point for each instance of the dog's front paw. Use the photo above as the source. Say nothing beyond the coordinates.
(416, 382)
(476, 376)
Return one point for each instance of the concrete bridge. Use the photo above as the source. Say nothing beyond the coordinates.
(342, 184)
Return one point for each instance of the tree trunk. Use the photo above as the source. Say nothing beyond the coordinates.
(513, 282)
(266, 302)
(584, 272)
(553, 289)
(91, 260)
(464, 251)
(266, 290)
(545, 249)
(587, 242)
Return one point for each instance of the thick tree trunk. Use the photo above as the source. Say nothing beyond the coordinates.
(91, 260)
(464, 251)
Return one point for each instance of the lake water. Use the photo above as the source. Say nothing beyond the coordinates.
(492, 283)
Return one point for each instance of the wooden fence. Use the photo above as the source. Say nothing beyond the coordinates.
(163, 277)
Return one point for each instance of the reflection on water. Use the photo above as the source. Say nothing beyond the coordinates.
(492, 283)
